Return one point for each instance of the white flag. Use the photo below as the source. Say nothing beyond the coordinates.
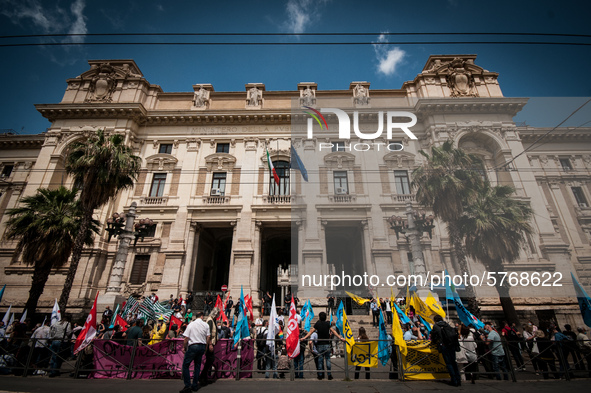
(23, 317)
(271, 331)
(11, 319)
(56, 316)
(7, 316)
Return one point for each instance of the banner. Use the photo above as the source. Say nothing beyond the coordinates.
(347, 332)
(423, 361)
(364, 354)
(165, 359)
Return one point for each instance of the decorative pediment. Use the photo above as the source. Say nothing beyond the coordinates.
(339, 160)
(277, 155)
(161, 162)
(103, 77)
(220, 161)
(400, 159)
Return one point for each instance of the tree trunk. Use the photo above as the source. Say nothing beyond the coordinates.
(40, 276)
(76, 255)
(458, 250)
(507, 303)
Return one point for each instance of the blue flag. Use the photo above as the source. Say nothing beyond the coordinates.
(242, 330)
(427, 326)
(2, 292)
(465, 316)
(309, 316)
(383, 344)
(403, 318)
(339, 321)
(296, 163)
(584, 301)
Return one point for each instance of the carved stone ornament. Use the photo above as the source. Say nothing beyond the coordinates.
(220, 161)
(201, 98)
(308, 95)
(129, 290)
(459, 80)
(103, 84)
(339, 160)
(360, 95)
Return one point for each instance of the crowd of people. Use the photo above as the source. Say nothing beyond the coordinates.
(468, 353)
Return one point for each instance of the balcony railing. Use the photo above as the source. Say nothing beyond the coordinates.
(153, 200)
(216, 200)
(278, 199)
(342, 198)
(403, 197)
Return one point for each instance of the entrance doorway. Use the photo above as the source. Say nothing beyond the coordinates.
(276, 254)
(212, 268)
(344, 252)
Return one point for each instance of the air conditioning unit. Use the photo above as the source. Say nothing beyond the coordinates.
(216, 192)
(341, 191)
(583, 204)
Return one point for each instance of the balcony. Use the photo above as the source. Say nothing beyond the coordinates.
(342, 198)
(278, 199)
(403, 197)
(153, 201)
(216, 200)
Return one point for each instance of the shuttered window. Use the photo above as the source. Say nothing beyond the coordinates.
(139, 270)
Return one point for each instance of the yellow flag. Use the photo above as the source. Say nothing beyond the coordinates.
(397, 333)
(347, 332)
(434, 305)
(364, 354)
(421, 308)
(358, 300)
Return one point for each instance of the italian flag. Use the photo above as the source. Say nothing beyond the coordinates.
(272, 169)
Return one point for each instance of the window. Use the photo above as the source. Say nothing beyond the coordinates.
(341, 185)
(139, 270)
(580, 196)
(7, 171)
(401, 181)
(395, 146)
(165, 148)
(222, 148)
(565, 164)
(218, 183)
(338, 146)
(282, 169)
(158, 182)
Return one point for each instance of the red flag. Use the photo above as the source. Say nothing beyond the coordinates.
(248, 301)
(121, 322)
(220, 306)
(292, 342)
(175, 321)
(89, 331)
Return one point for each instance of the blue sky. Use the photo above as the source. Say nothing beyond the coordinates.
(35, 75)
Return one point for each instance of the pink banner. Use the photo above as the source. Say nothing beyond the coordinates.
(165, 360)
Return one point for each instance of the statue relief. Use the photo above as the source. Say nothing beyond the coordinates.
(103, 84)
(360, 95)
(201, 98)
(254, 96)
(307, 97)
(460, 80)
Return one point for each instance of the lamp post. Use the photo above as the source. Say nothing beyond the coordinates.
(415, 224)
(122, 225)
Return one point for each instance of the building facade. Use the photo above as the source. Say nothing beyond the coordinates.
(221, 218)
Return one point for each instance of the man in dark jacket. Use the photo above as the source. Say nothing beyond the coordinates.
(447, 345)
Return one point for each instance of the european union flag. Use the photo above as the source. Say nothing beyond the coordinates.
(296, 163)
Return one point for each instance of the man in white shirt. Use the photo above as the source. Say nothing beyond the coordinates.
(197, 340)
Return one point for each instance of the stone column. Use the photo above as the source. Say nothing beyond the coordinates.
(125, 238)
(188, 269)
(414, 237)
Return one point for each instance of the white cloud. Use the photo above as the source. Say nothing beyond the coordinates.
(388, 58)
(79, 24)
(301, 14)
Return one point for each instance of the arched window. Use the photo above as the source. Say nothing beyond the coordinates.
(282, 169)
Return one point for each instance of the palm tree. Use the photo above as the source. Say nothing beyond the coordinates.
(103, 165)
(444, 183)
(495, 225)
(45, 226)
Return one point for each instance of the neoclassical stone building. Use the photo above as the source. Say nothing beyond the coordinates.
(222, 220)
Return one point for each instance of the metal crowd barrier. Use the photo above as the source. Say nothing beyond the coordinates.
(29, 356)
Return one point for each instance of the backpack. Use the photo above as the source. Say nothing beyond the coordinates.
(449, 337)
(262, 340)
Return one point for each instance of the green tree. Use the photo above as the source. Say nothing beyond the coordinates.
(103, 165)
(495, 226)
(445, 182)
(45, 225)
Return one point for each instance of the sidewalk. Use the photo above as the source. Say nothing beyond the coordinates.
(67, 385)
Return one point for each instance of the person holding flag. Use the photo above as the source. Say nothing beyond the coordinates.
(323, 328)
(292, 341)
(271, 332)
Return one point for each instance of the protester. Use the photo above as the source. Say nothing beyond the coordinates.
(497, 352)
(134, 333)
(59, 335)
(446, 339)
(323, 346)
(546, 359)
(158, 332)
(513, 338)
(209, 354)
(584, 346)
(362, 337)
(197, 340)
(467, 354)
